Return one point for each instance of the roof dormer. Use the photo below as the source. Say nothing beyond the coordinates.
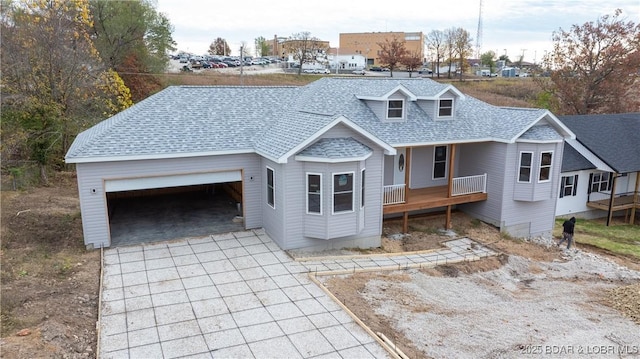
(441, 106)
(391, 106)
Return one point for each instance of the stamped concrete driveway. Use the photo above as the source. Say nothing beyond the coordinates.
(237, 295)
(234, 295)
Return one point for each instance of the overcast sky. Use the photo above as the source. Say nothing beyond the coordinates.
(514, 27)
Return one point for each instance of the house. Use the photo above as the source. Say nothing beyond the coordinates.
(601, 166)
(321, 166)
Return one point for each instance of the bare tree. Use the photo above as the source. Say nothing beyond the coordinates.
(436, 43)
(450, 48)
(412, 61)
(594, 67)
(463, 48)
(392, 52)
(305, 48)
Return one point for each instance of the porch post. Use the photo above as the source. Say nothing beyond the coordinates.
(452, 158)
(407, 176)
(613, 194)
(635, 199)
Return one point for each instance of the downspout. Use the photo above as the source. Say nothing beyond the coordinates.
(613, 194)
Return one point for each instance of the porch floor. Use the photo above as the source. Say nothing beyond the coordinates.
(432, 197)
(619, 203)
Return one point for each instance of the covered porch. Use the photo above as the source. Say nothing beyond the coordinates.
(626, 201)
(398, 198)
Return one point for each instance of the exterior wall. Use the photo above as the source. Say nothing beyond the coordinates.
(421, 175)
(367, 43)
(93, 202)
(360, 228)
(577, 205)
(429, 107)
(533, 217)
(489, 158)
(272, 216)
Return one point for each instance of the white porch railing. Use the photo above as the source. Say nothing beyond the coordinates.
(469, 184)
(394, 194)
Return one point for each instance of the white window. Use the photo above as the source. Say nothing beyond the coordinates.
(362, 188)
(314, 193)
(395, 109)
(524, 173)
(440, 162)
(599, 182)
(271, 187)
(568, 186)
(342, 192)
(445, 108)
(546, 160)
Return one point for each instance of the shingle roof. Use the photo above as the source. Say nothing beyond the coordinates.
(273, 121)
(336, 148)
(614, 138)
(572, 160)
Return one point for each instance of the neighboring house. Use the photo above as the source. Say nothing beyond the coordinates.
(320, 166)
(601, 167)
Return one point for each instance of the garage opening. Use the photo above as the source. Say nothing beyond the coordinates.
(139, 215)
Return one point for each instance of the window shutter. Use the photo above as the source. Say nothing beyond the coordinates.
(575, 185)
(562, 187)
(590, 182)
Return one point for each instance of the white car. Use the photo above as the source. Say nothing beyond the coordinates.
(359, 72)
(321, 71)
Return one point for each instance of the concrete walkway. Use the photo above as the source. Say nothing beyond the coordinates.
(237, 295)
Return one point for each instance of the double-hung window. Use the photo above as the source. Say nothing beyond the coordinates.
(271, 187)
(314, 193)
(440, 162)
(395, 109)
(343, 192)
(445, 108)
(546, 159)
(599, 182)
(524, 172)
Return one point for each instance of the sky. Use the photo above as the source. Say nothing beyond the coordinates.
(515, 28)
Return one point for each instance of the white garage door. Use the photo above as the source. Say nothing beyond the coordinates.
(132, 184)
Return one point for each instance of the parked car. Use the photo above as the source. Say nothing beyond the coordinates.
(308, 71)
(184, 60)
(321, 71)
(376, 68)
(206, 65)
(359, 72)
(425, 71)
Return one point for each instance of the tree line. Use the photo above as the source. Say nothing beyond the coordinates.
(67, 64)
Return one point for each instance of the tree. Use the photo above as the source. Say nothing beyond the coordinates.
(392, 52)
(219, 47)
(54, 83)
(412, 61)
(134, 40)
(594, 66)
(305, 48)
(488, 59)
(463, 48)
(436, 43)
(505, 58)
(450, 48)
(262, 47)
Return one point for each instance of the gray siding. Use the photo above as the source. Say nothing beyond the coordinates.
(428, 106)
(272, 216)
(91, 176)
(332, 230)
(422, 168)
(489, 158)
(535, 217)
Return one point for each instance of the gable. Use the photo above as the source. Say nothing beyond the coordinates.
(613, 138)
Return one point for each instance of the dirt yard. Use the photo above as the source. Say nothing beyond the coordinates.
(535, 298)
(531, 295)
(49, 281)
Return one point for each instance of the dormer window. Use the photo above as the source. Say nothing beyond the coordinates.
(445, 108)
(395, 109)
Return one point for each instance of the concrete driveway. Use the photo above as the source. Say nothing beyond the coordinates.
(234, 295)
